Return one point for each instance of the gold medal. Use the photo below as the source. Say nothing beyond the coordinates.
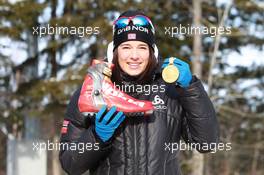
(170, 73)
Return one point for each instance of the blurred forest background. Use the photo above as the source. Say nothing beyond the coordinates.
(39, 74)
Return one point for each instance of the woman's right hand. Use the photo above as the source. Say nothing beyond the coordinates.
(105, 124)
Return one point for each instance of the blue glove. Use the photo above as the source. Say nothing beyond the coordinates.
(104, 126)
(185, 76)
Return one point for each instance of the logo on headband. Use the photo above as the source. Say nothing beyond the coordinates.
(131, 36)
(133, 28)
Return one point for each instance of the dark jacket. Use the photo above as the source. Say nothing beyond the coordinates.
(143, 145)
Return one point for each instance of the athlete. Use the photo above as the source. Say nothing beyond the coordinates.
(139, 145)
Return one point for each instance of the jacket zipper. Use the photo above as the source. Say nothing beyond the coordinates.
(135, 150)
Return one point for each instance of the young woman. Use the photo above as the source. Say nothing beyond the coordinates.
(122, 145)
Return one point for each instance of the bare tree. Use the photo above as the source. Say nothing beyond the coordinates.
(197, 161)
(216, 47)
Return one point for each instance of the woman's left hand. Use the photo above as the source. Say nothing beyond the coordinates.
(185, 75)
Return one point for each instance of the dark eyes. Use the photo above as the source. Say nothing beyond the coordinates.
(140, 47)
(143, 47)
(125, 47)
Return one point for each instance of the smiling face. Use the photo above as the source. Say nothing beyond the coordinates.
(133, 57)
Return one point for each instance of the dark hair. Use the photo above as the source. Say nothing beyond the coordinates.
(144, 78)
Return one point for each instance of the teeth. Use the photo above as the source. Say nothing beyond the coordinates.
(133, 64)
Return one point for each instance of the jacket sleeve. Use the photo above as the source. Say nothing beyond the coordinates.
(80, 148)
(199, 122)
